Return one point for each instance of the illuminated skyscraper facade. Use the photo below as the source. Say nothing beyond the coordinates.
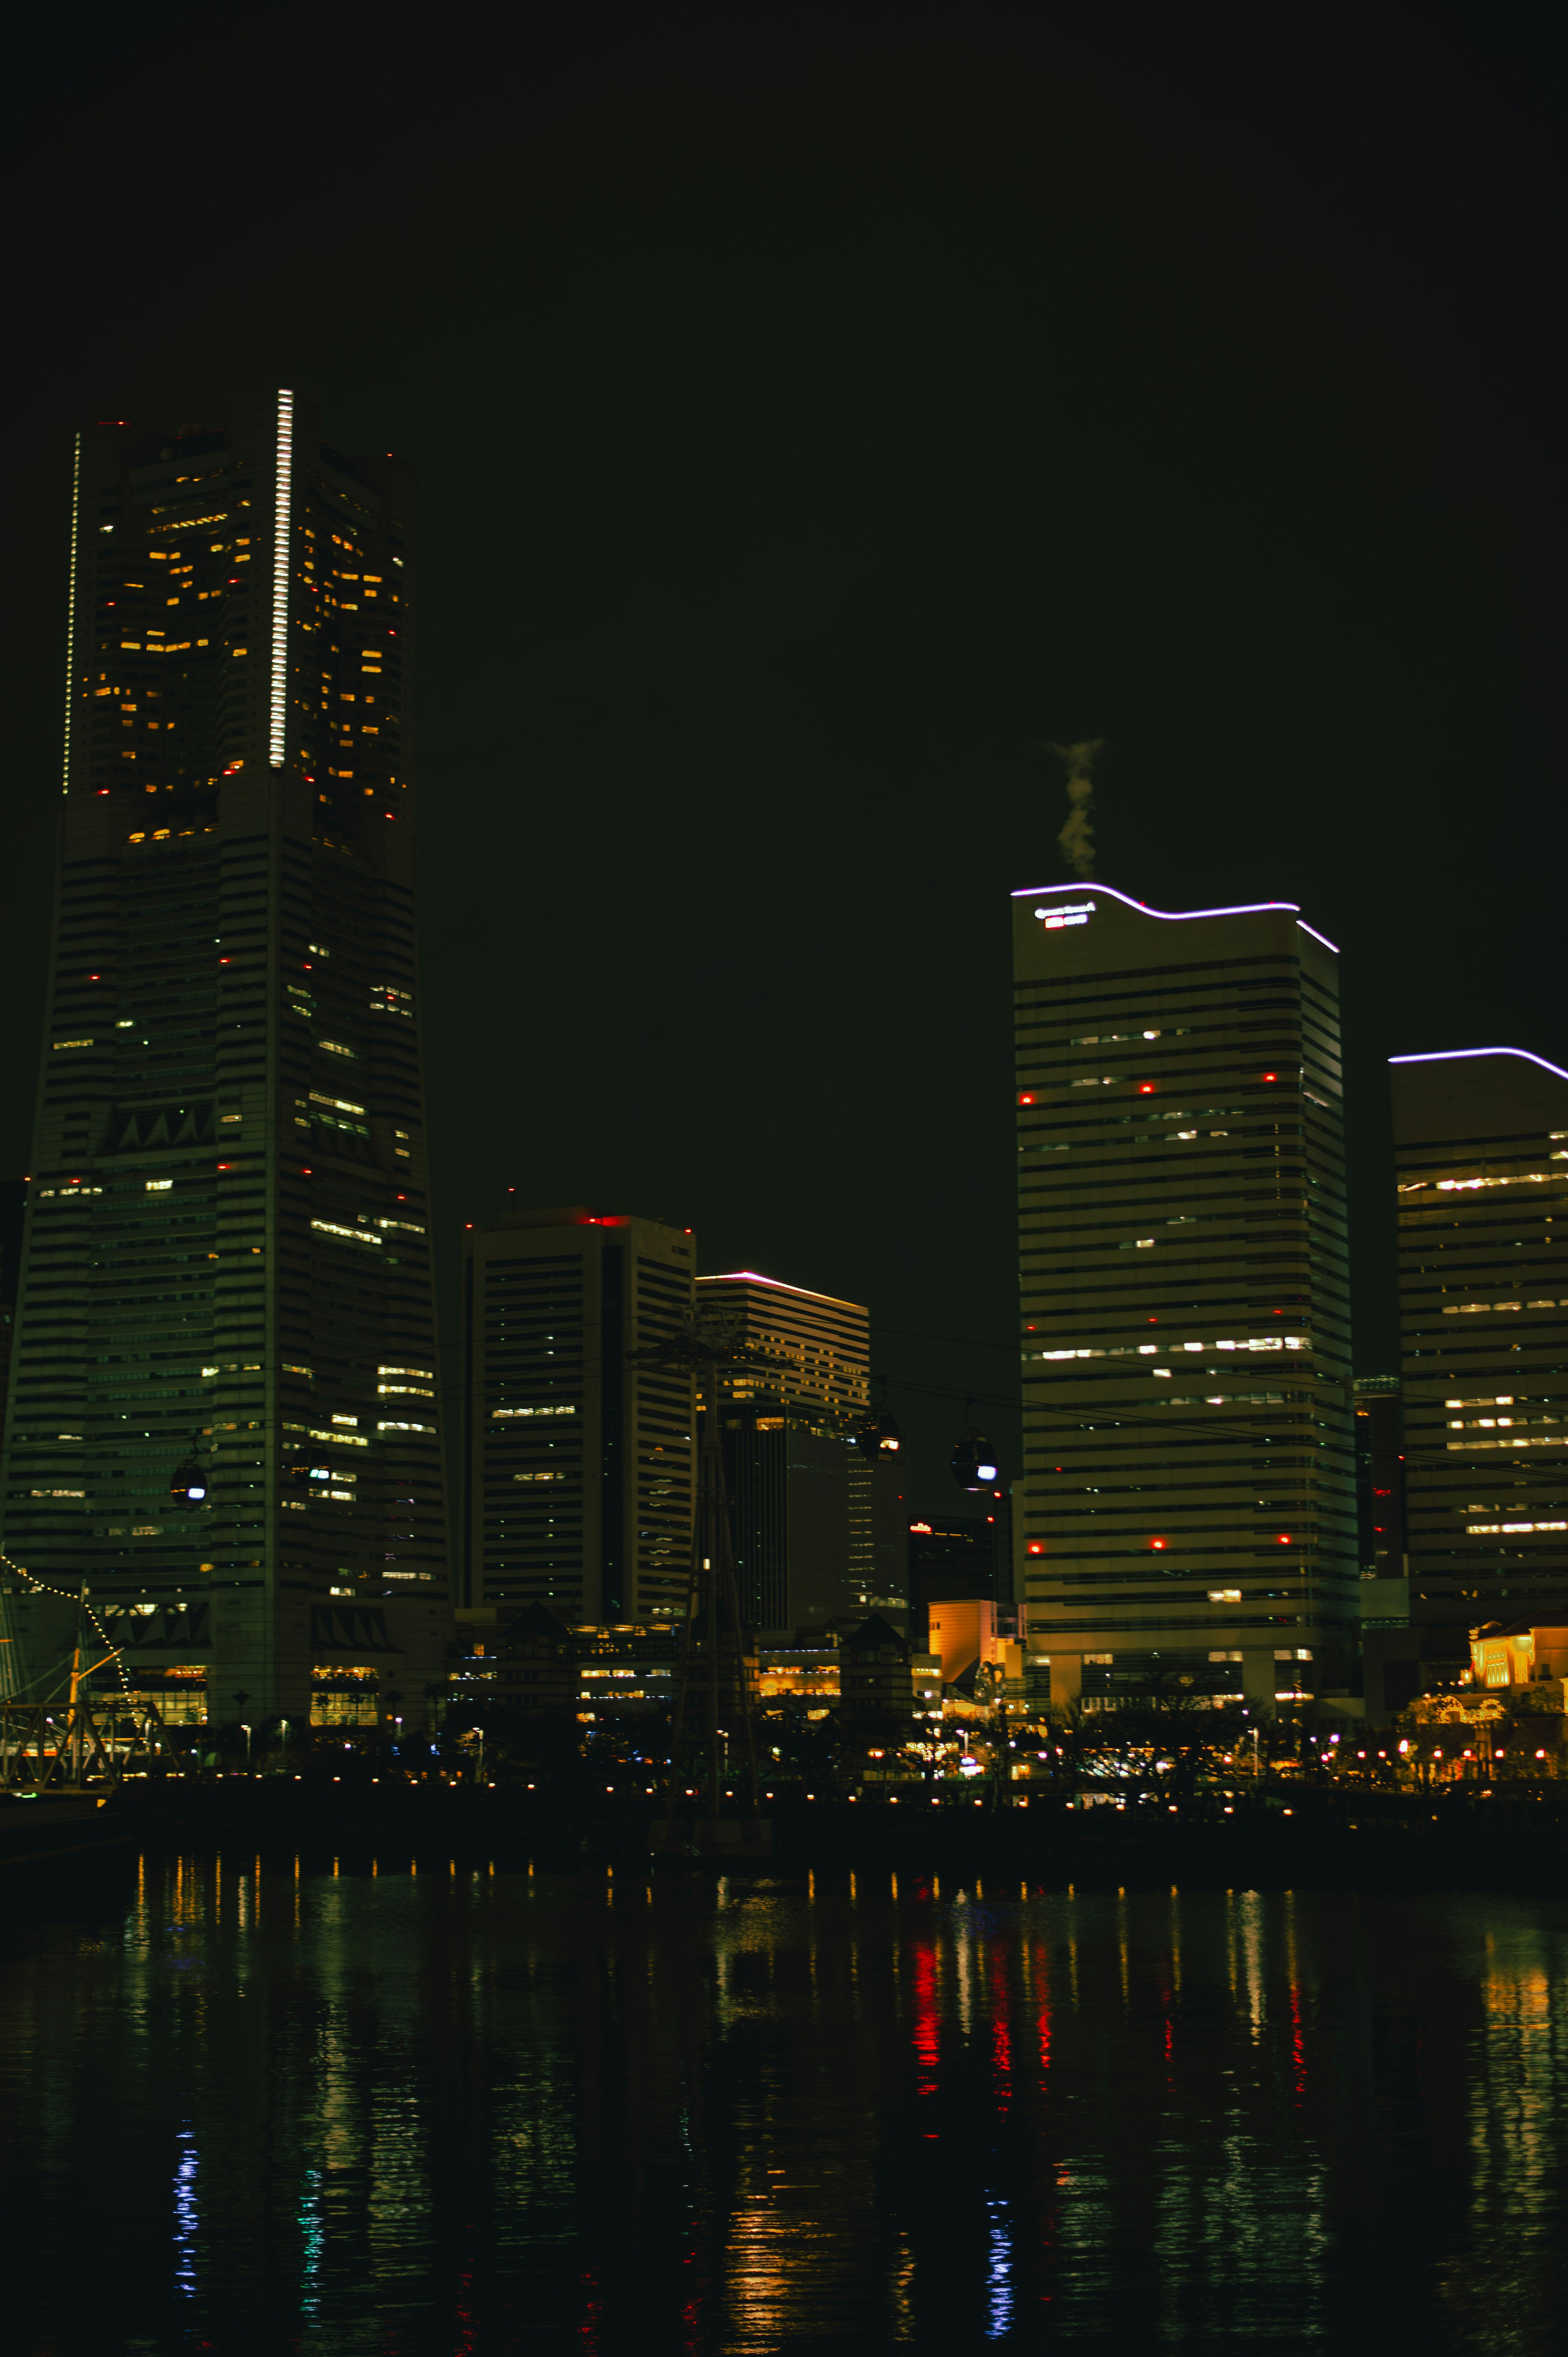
(578, 1457)
(1481, 1175)
(226, 1262)
(1188, 1510)
(803, 1501)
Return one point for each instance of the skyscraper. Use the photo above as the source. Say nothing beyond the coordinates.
(810, 1515)
(1187, 1510)
(226, 1271)
(1379, 1476)
(963, 1555)
(1481, 1174)
(578, 1462)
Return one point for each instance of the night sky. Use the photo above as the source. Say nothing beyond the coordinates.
(815, 422)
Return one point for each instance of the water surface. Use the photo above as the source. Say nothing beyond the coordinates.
(267, 2109)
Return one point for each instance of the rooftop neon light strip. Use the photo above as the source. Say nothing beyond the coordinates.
(752, 1276)
(1177, 916)
(280, 575)
(1450, 1055)
(71, 608)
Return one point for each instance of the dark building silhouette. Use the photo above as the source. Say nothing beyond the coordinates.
(875, 1684)
(815, 1536)
(226, 1264)
(536, 1665)
(1379, 1476)
(965, 1556)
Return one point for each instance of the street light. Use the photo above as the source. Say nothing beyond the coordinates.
(246, 1733)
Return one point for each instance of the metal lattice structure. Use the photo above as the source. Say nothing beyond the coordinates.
(86, 1746)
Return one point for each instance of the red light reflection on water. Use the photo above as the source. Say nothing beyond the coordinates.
(926, 2030)
(1043, 2017)
(592, 2310)
(1297, 2046)
(467, 2321)
(1001, 2031)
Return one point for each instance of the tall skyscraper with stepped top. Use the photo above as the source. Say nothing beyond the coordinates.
(224, 1409)
(1187, 1517)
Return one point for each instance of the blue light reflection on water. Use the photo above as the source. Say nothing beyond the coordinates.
(313, 2241)
(187, 2217)
(483, 2112)
(999, 2289)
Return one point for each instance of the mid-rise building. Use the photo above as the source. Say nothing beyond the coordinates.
(579, 1463)
(1481, 1175)
(1188, 1510)
(224, 1408)
(807, 1511)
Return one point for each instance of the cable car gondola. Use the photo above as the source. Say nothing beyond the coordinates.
(187, 1485)
(975, 1464)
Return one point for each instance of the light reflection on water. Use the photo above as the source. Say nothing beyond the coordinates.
(410, 2115)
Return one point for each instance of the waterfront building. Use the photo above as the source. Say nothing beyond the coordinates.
(875, 1684)
(969, 1635)
(525, 1660)
(224, 1408)
(1187, 1508)
(1512, 1653)
(1481, 1181)
(810, 1515)
(578, 1464)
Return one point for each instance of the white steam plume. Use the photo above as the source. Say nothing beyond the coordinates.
(1075, 841)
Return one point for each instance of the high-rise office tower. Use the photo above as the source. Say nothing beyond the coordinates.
(578, 1458)
(802, 1500)
(1379, 1476)
(1188, 1507)
(1481, 1171)
(226, 1267)
(13, 1215)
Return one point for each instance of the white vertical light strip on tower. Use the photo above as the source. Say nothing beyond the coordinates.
(70, 609)
(280, 575)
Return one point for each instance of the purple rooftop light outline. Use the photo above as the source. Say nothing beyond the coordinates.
(754, 1276)
(1180, 916)
(1448, 1055)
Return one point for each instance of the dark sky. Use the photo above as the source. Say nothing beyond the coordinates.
(814, 421)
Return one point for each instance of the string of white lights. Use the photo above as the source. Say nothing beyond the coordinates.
(66, 1597)
(71, 608)
(285, 493)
